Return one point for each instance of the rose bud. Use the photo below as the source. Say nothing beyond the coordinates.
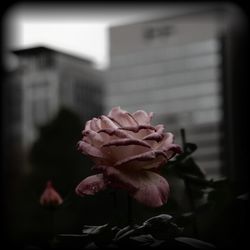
(128, 153)
(50, 197)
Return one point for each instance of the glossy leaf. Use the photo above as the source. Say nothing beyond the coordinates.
(189, 166)
(189, 148)
(161, 227)
(101, 235)
(194, 243)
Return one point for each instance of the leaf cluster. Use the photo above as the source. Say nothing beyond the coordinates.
(157, 232)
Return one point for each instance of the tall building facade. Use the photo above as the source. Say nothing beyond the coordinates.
(174, 68)
(44, 81)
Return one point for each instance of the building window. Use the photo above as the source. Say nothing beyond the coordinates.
(45, 61)
(88, 98)
(40, 111)
(39, 93)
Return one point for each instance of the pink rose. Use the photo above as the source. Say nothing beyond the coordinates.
(50, 196)
(128, 153)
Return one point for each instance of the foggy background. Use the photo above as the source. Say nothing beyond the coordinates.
(67, 64)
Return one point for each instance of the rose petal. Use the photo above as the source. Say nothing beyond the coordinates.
(114, 111)
(172, 150)
(147, 160)
(153, 190)
(136, 129)
(154, 137)
(87, 125)
(168, 139)
(115, 132)
(122, 117)
(107, 123)
(122, 148)
(126, 142)
(140, 131)
(168, 146)
(142, 117)
(95, 124)
(145, 186)
(93, 138)
(87, 149)
(91, 185)
(153, 164)
(119, 179)
(158, 135)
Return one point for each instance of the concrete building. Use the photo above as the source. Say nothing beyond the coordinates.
(174, 68)
(44, 81)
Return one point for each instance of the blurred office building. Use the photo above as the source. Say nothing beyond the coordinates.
(175, 67)
(44, 81)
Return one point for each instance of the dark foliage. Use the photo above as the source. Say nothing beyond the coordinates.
(54, 155)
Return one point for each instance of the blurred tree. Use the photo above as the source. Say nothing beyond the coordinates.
(54, 155)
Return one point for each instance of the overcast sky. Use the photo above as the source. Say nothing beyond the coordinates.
(81, 30)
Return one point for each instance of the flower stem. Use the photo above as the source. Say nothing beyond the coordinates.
(130, 217)
(115, 207)
(183, 139)
(192, 205)
(52, 222)
(188, 188)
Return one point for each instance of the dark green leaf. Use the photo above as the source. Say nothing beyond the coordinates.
(126, 232)
(69, 240)
(243, 197)
(189, 148)
(194, 243)
(94, 230)
(91, 245)
(220, 183)
(142, 240)
(161, 227)
(185, 218)
(162, 219)
(101, 235)
(189, 166)
(200, 181)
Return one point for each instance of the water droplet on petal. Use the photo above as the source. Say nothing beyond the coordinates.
(94, 189)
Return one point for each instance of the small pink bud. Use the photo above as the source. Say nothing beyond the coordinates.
(50, 197)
